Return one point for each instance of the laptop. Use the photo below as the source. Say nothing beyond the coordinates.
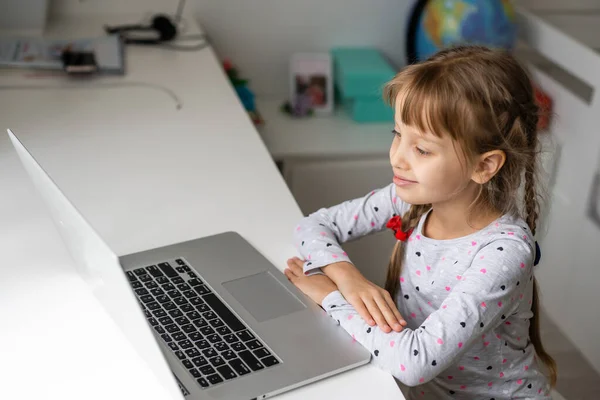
(212, 318)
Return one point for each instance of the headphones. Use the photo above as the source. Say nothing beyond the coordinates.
(160, 30)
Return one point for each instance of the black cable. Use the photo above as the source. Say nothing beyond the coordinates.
(177, 47)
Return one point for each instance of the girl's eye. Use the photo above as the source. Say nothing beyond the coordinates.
(423, 152)
(396, 133)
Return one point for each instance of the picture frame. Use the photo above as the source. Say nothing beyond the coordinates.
(311, 84)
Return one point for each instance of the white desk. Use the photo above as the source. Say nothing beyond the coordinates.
(144, 174)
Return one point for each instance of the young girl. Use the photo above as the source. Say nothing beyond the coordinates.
(461, 272)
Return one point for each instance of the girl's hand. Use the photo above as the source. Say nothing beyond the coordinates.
(374, 304)
(317, 287)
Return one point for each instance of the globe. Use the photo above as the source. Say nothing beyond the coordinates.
(438, 24)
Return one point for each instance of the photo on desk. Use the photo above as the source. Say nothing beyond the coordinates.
(311, 84)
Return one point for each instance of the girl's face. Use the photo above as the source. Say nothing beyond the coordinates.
(427, 169)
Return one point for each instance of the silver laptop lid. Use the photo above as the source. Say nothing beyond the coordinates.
(100, 269)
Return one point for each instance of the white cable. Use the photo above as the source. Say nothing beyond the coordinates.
(104, 85)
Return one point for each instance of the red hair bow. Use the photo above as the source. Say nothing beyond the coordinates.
(395, 224)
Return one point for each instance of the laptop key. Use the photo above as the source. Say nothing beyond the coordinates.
(253, 344)
(195, 336)
(179, 261)
(270, 361)
(189, 328)
(239, 346)
(167, 287)
(181, 301)
(187, 308)
(207, 330)
(166, 338)
(163, 299)
(217, 323)
(221, 309)
(140, 271)
(229, 355)
(207, 369)
(141, 292)
(202, 290)
(193, 352)
(223, 330)
(245, 336)
(194, 282)
(131, 276)
(214, 379)
(168, 270)
(183, 287)
(182, 320)
(239, 367)
(230, 338)
(190, 294)
(155, 292)
(159, 313)
(152, 321)
(145, 278)
(217, 361)
(210, 352)
(147, 314)
(186, 268)
(203, 308)
(226, 372)
(209, 315)
(252, 361)
(202, 344)
(172, 328)
(165, 320)
(191, 314)
(146, 298)
(169, 305)
(177, 280)
(186, 344)
(195, 373)
(159, 329)
(137, 284)
(162, 280)
(154, 271)
(174, 294)
(150, 284)
(180, 269)
(199, 362)
(193, 275)
(175, 313)
(188, 364)
(262, 352)
(200, 322)
(221, 346)
(196, 301)
(179, 336)
(214, 338)
(203, 382)
(173, 346)
(180, 355)
(153, 305)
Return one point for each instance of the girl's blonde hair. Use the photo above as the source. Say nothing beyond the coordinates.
(484, 100)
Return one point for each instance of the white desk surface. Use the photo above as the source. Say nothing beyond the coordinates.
(144, 174)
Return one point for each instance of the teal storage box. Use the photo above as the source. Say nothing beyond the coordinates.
(360, 74)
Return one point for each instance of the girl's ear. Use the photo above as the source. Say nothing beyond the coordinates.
(487, 165)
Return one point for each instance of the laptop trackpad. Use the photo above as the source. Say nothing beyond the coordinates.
(263, 296)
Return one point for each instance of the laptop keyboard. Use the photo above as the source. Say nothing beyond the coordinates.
(208, 339)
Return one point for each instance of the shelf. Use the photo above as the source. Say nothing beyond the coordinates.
(317, 136)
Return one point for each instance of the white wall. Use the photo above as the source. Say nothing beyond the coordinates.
(260, 35)
(26, 16)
